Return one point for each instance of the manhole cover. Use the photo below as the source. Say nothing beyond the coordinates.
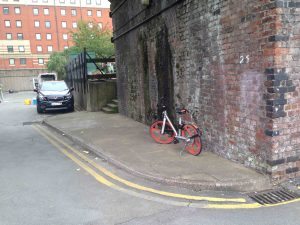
(273, 196)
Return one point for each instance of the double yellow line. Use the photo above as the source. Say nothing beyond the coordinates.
(76, 156)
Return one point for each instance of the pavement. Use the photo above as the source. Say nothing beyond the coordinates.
(127, 144)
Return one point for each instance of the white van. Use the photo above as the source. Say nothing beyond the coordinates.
(46, 77)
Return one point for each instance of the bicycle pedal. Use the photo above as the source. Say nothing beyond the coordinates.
(175, 141)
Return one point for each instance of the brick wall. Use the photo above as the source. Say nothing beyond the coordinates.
(234, 64)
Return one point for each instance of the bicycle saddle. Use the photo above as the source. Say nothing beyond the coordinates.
(181, 111)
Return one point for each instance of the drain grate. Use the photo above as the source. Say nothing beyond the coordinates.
(273, 196)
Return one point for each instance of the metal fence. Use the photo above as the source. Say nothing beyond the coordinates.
(78, 73)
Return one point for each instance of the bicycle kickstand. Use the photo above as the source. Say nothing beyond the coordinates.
(183, 149)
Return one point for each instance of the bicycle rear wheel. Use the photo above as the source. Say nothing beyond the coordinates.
(155, 131)
(194, 146)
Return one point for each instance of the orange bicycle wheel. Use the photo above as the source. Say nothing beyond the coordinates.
(155, 131)
(194, 146)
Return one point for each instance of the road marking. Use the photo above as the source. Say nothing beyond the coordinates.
(140, 187)
(81, 164)
(234, 206)
(106, 182)
(248, 206)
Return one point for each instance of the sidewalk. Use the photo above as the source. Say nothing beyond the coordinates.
(128, 145)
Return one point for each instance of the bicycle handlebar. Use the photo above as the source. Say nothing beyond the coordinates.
(161, 104)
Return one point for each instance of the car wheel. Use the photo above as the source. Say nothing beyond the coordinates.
(71, 108)
(38, 109)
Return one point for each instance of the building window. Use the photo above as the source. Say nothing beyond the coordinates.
(5, 10)
(41, 61)
(38, 36)
(17, 10)
(23, 61)
(18, 23)
(89, 12)
(65, 36)
(73, 12)
(34, 1)
(66, 47)
(88, 2)
(98, 2)
(45, 1)
(50, 48)
(10, 48)
(39, 48)
(100, 26)
(99, 13)
(63, 12)
(21, 48)
(61, 1)
(46, 11)
(11, 61)
(35, 11)
(9, 36)
(73, 1)
(64, 24)
(7, 23)
(36, 23)
(74, 25)
(20, 36)
(47, 24)
(49, 36)
(90, 25)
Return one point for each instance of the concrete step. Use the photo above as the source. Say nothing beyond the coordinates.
(112, 105)
(109, 110)
(115, 101)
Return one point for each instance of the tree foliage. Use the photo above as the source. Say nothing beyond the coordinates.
(57, 63)
(88, 35)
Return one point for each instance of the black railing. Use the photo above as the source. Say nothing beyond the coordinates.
(78, 74)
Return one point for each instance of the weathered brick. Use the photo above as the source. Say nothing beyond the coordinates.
(275, 38)
(292, 170)
(235, 70)
(275, 162)
(293, 158)
(275, 102)
(272, 133)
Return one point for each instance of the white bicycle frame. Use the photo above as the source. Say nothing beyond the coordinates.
(177, 134)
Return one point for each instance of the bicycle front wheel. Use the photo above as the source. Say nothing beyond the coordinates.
(155, 131)
(194, 146)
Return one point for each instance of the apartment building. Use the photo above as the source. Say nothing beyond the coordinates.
(32, 29)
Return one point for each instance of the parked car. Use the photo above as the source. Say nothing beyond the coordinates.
(54, 95)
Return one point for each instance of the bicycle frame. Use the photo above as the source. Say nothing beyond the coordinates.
(177, 134)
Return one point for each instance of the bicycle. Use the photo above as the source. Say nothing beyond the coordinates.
(164, 132)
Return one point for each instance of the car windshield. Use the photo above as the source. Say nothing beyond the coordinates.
(54, 86)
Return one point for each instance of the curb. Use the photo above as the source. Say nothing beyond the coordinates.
(196, 185)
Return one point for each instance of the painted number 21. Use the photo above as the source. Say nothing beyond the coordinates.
(244, 59)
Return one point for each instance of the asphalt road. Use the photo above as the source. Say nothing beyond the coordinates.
(41, 186)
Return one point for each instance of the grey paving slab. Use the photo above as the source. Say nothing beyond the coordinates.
(128, 143)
